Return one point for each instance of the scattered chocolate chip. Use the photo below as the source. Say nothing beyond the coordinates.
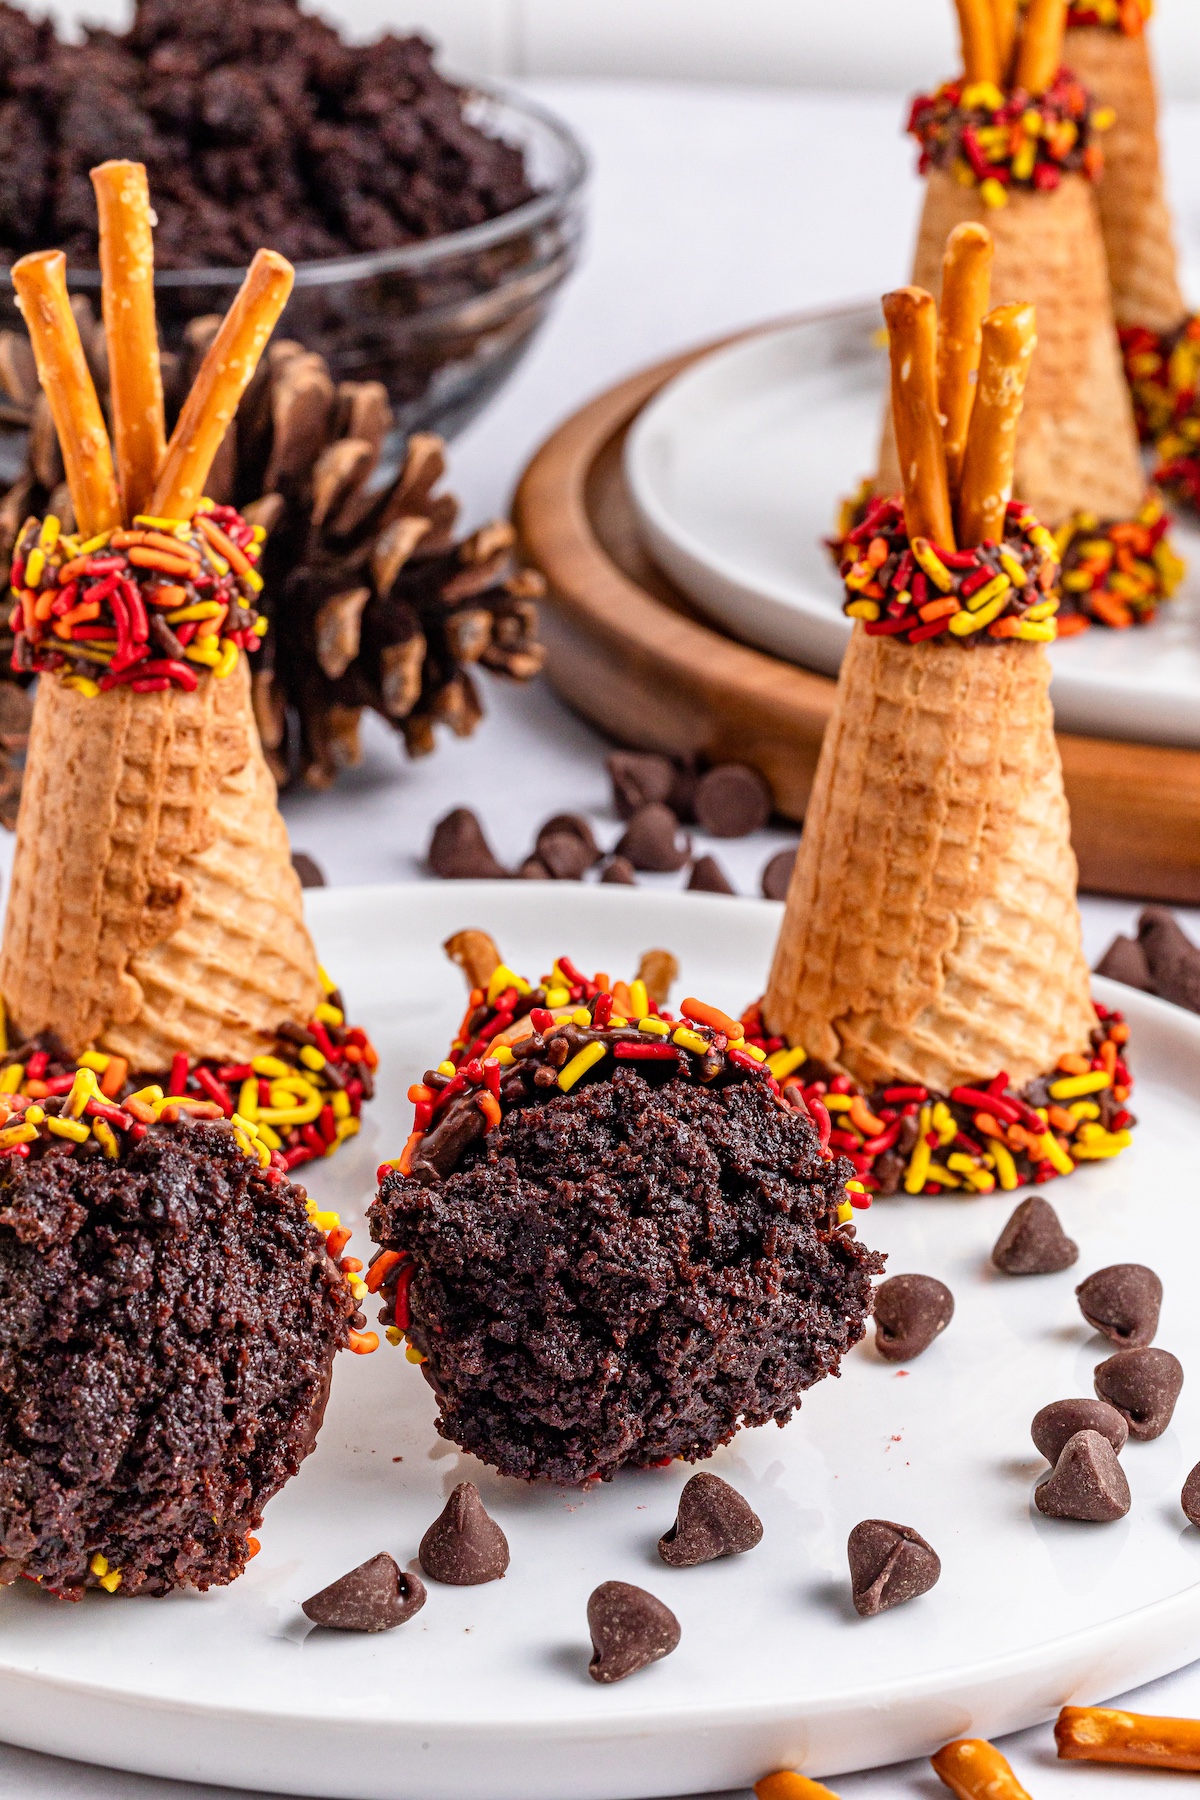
(1125, 960)
(732, 801)
(572, 825)
(458, 850)
(889, 1564)
(1143, 1385)
(619, 871)
(629, 1628)
(708, 877)
(778, 873)
(654, 841)
(565, 856)
(713, 1520)
(308, 869)
(639, 778)
(910, 1311)
(1034, 1242)
(533, 869)
(1171, 957)
(1190, 1497)
(1057, 1423)
(1122, 1303)
(1087, 1482)
(464, 1545)
(377, 1596)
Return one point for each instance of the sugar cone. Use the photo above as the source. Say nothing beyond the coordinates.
(153, 907)
(1134, 217)
(932, 931)
(1077, 448)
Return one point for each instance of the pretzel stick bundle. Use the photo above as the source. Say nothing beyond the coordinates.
(1100, 1734)
(1039, 55)
(966, 279)
(130, 329)
(977, 26)
(975, 1770)
(40, 280)
(1009, 341)
(911, 316)
(219, 385)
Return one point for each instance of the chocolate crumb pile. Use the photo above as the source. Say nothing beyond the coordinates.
(257, 126)
(167, 1330)
(627, 1273)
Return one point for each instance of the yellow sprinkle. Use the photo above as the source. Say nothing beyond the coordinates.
(69, 1128)
(271, 1067)
(35, 567)
(270, 1138)
(557, 996)
(357, 1286)
(503, 977)
(17, 1134)
(993, 192)
(33, 1115)
(94, 1059)
(99, 1565)
(782, 1062)
(1006, 1168)
(1075, 1085)
(1113, 1144)
(394, 1335)
(328, 984)
(586, 1059)
(845, 1212)
(1014, 570)
(862, 609)
(241, 1123)
(754, 1051)
(502, 1054)
(413, 1354)
(204, 652)
(292, 1088)
(229, 657)
(932, 564)
(983, 95)
(690, 1040)
(94, 543)
(290, 1115)
(199, 609)
(1084, 1109)
(151, 523)
(263, 1154)
(582, 1017)
(48, 535)
(341, 1104)
(244, 1144)
(1052, 1152)
(85, 1087)
(918, 1166)
(656, 1027)
(837, 1103)
(329, 1015)
(639, 999)
(942, 1121)
(112, 1581)
(81, 685)
(446, 1068)
(106, 1139)
(346, 1128)
(1033, 633)
(248, 1098)
(618, 1024)
(943, 1177)
(11, 1078)
(260, 626)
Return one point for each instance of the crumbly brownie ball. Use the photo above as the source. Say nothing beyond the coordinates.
(627, 1274)
(168, 1324)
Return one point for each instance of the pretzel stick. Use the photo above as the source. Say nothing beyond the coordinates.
(1039, 55)
(1098, 1734)
(911, 316)
(127, 287)
(222, 380)
(978, 31)
(1004, 24)
(966, 279)
(975, 1770)
(41, 283)
(1009, 341)
(787, 1785)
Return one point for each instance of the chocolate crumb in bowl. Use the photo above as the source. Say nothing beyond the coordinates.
(311, 874)
(653, 840)
(377, 1596)
(573, 826)
(1122, 1303)
(1087, 1482)
(1033, 1241)
(708, 877)
(1190, 1497)
(731, 801)
(464, 1546)
(910, 1311)
(777, 874)
(1125, 960)
(639, 778)
(889, 1565)
(713, 1521)
(458, 850)
(1057, 1423)
(1143, 1385)
(629, 1628)
(619, 872)
(1171, 957)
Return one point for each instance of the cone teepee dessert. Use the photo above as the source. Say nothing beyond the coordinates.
(610, 1239)
(1014, 144)
(929, 989)
(155, 929)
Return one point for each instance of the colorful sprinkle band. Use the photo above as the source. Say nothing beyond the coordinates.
(1116, 574)
(1126, 16)
(1000, 142)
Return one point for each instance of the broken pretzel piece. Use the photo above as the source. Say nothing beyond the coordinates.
(1101, 1734)
(975, 1770)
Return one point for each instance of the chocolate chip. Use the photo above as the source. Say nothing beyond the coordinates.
(1034, 1242)
(565, 857)
(1088, 1483)
(629, 1628)
(654, 841)
(1190, 1497)
(308, 869)
(1171, 956)
(533, 869)
(888, 1170)
(1143, 1385)
(639, 778)
(732, 801)
(377, 1596)
(910, 1311)
(1058, 1422)
(889, 1564)
(1122, 1303)
(464, 1545)
(708, 877)
(571, 825)
(458, 850)
(1125, 960)
(777, 874)
(618, 871)
(713, 1520)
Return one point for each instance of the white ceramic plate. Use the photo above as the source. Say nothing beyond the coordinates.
(737, 469)
(484, 1695)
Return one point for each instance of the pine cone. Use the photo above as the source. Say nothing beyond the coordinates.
(372, 601)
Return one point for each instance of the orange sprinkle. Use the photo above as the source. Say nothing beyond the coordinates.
(69, 570)
(252, 1546)
(140, 1110)
(405, 1163)
(379, 1270)
(227, 548)
(865, 1119)
(988, 1125)
(601, 980)
(939, 609)
(1072, 625)
(363, 1342)
(168, 595)
(702, 1014)
(1108, 1055)
(113, 1078)
(36, 1090)
(1060, 1118)
(1111, 609)
(158, 559)
(489, 1106)
(1118, 1034)
(337, 1240)
(1071, 1064)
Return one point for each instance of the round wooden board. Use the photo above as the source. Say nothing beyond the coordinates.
(630, 651)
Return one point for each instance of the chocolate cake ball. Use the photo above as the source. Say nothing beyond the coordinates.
(633, 1248)
(168, 1322)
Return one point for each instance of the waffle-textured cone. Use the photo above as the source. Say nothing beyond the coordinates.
(932, 931)
(153, 906)
(1134, 217)
(1077, 448)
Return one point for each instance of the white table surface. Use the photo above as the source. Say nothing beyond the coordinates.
(710, 208)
